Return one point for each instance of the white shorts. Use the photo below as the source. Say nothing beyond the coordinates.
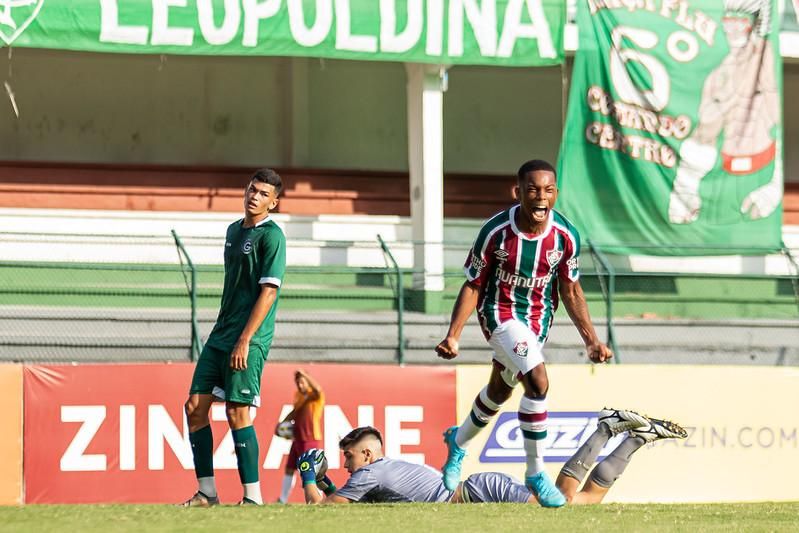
(517, 349)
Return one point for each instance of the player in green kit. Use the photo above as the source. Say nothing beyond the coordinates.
(231, 363)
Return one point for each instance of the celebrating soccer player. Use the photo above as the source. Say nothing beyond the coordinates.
(234, 355)
(522, 259)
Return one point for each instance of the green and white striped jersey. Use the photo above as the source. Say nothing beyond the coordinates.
(518, 273)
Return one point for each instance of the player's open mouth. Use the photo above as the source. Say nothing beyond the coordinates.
(539, 214)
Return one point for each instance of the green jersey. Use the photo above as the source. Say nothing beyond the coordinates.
(253, 257)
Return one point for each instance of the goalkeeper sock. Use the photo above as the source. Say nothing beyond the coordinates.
(608, 470)
(288, 484)
(246, 445)
(583, 460)
(202, 449)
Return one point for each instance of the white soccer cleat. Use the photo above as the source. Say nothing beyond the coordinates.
(620, 420)
(659, 429)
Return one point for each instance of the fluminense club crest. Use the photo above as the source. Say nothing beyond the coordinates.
(553, 256)
(16, 16)
(520, 349)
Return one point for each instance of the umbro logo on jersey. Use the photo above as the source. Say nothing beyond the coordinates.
(501, 255)
(246, 247)
(553, 256)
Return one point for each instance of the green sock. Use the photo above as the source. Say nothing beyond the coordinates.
(202, 448)
(246, 444)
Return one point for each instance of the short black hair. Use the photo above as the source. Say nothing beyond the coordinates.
(533, 165)
(354, 436)
(270, 177)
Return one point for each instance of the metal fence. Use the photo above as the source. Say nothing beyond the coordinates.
(162, 309)
(744, 313)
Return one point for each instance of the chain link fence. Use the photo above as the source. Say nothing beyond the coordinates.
(745, 312)
(148, 298)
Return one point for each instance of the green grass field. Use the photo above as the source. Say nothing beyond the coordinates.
(488, 518)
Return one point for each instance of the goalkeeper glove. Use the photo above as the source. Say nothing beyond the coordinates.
(306, 465)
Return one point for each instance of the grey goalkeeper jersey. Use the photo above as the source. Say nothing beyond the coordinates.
(393, 480)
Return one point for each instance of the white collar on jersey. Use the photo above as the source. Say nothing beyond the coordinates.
(523, 235)
(261, 223)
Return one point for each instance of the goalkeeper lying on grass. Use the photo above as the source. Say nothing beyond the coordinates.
(375, 478)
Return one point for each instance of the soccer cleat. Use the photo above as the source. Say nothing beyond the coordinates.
(200, 500)
(659, 429)
(547, 493)
(455, 454)
(620, 420)
(247, 501)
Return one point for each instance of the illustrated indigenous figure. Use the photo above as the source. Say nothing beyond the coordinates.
(740, 100)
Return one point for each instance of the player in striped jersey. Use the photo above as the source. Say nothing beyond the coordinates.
(523, 260)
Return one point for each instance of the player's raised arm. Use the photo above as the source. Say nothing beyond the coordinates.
(571, 293)
(315, 390)
(464, 305)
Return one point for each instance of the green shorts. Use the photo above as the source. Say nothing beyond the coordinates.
(213, 375)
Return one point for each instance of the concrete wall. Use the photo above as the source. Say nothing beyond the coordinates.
(497, 118)
(357, 115)
(86, 107)
(102, 108)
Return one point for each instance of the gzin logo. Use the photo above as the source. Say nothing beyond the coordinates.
(566, 432)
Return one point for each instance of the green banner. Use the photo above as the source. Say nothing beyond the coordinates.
(673, 141)
(790, 17)
(467, 32)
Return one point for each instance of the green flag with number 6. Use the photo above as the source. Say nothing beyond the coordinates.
(673, 139)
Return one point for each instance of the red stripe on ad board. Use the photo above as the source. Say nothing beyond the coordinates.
(116, 433)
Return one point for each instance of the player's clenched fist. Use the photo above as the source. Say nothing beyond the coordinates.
(598, 352)
(448, 348)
